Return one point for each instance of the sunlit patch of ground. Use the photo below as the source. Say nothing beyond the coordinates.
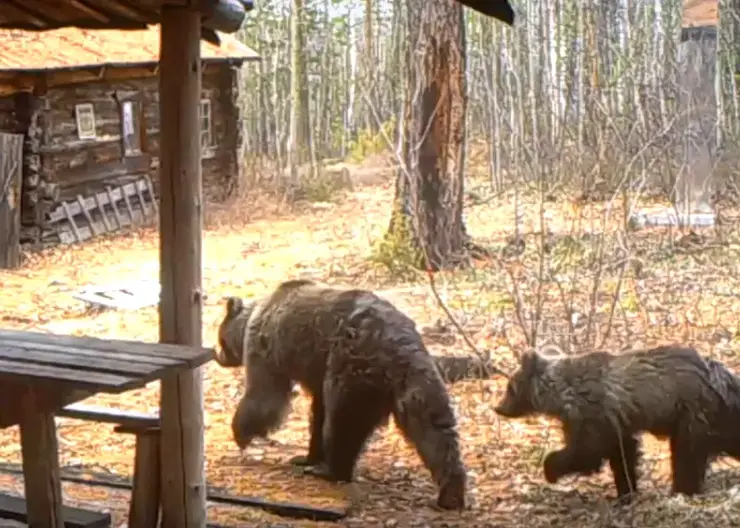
(249, 248)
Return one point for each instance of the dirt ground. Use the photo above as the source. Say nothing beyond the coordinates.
(676, 288)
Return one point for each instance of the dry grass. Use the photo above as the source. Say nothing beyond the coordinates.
(250, 246)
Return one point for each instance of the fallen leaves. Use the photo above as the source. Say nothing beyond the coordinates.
(677, 296)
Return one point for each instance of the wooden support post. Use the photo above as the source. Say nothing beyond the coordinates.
(146, 491)
(40, 463)
(180, 309)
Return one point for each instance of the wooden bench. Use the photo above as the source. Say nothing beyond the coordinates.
(15, 509)
(43, 373)
(145, 492)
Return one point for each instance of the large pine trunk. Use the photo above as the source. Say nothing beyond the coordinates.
(429, 190)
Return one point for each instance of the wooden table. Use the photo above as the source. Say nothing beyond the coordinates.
(41, 373)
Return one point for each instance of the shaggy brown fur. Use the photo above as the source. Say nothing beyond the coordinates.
(361, 360)
(604, 400)
(231, 333)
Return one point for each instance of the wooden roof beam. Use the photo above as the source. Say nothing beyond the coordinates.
(117, 13)
(91, 12)
(34, 18)
(124, 8)
(224, 15)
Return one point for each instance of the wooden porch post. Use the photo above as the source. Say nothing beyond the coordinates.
(181, 220)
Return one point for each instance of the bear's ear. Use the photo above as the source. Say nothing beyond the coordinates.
(532, 362)
(234, 305)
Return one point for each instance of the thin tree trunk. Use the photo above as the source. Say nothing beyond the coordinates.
(299, 134)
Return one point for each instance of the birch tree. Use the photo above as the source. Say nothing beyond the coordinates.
(566, 97)
(299, 134)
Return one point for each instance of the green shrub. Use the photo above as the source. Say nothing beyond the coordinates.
(397, 252)
(368, 143)
(322, 186)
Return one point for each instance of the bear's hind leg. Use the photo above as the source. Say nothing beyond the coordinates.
(351, 415)
(316, 443)
(689, 460)
(623, 462)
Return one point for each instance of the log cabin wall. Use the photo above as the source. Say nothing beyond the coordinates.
(220, 154)
(59, 165)
(80, 166)
(223, 172)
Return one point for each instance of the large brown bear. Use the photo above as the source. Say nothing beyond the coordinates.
(361, 360)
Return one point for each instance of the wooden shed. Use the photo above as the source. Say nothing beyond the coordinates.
(87, 103)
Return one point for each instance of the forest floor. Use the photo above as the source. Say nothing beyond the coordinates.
(673, 288)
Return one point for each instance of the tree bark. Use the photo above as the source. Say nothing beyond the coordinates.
(429, 190)
(299, 135)
(369, 67)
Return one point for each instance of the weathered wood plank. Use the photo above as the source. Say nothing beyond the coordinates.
(98, 197)
(142, 200)
(60, 145)
(192, 355)
(11, 162)
(112, 201)
(82, 379)
(106, 171)
(153, 196)
(93, 226)
(181, 220)
(129, 209)
(129, 419)
(16, 508)
(63, 221)
(147, 482)
(158, 360)
(89, 203)
(40, 464)
(65, 235)
(70, 232)
(72, 223)
(107, 365)
(86, 378)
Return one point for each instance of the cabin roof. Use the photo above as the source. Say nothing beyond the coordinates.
(72, 48)
(94, 14)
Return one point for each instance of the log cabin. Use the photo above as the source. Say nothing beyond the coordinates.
(86, 103)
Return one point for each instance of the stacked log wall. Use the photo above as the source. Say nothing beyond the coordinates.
(40, 194)
(230, 129)
(219, 162)
(59, 166)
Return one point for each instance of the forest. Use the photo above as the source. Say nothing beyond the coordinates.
(574, 93)
(543, 144)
